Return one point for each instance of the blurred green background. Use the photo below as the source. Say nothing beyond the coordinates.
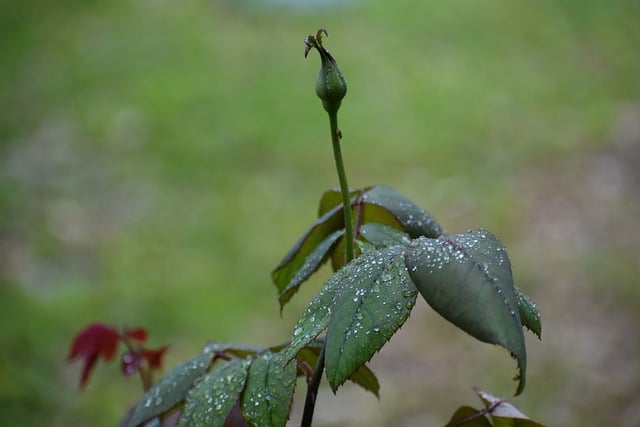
(158, 158)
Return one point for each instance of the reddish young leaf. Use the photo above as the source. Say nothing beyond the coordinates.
(154, 357)
(138, 334)
(96, 340)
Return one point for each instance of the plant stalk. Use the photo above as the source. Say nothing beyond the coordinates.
(344, 187)
(312, 389)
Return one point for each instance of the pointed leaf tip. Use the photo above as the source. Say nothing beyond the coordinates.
(529, 313)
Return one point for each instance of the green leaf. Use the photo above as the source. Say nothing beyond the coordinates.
(376, 298)
(379, 204)
(315, 318)
(211, 400)
(332, 199)
(503, 413)
(171, 389)
(313, 261)
(528, 313)
(364, 377)
(467, 279)
(467, 416)
(288, 268)
(268, 393)
(414, 220)
(383, 236)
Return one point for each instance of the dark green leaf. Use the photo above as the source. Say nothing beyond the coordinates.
(315, 318)
(313, 261)
(467, 279)
(369, 205)
(414, 220)
(212, 398)
(314, 236)
(171, 389)
(364, 377)
(269, 390)
(528, 313)
(467, 416)
(383, 236)
(376, 298)
(503, 413)
(363, 213)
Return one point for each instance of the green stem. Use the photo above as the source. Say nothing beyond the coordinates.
(344, 187)
(312, 390)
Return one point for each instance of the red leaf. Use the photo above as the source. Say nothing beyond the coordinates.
(96, 340)
(138, 334)
(154, 357)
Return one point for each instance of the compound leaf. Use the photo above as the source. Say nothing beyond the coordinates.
(467, 279)
(325, 238)
(376, 298)
(268, 393)
(211, 399)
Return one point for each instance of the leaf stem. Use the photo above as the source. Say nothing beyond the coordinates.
(312, 389)
(344, 186)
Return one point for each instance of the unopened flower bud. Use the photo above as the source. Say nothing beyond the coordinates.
(331, 85)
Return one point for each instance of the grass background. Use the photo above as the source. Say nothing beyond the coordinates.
(157, 159)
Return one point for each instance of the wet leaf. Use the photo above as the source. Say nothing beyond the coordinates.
(369, 205)
(268, 393)
(467, 279)
(315, 318)
(467, 416)
(171, 389)
(376, 299)
(213, 397)
(414, 220)
(528, 313)
(503, 413)
(311, 263)
(383, 236)
(288, 268)
(364, 377)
